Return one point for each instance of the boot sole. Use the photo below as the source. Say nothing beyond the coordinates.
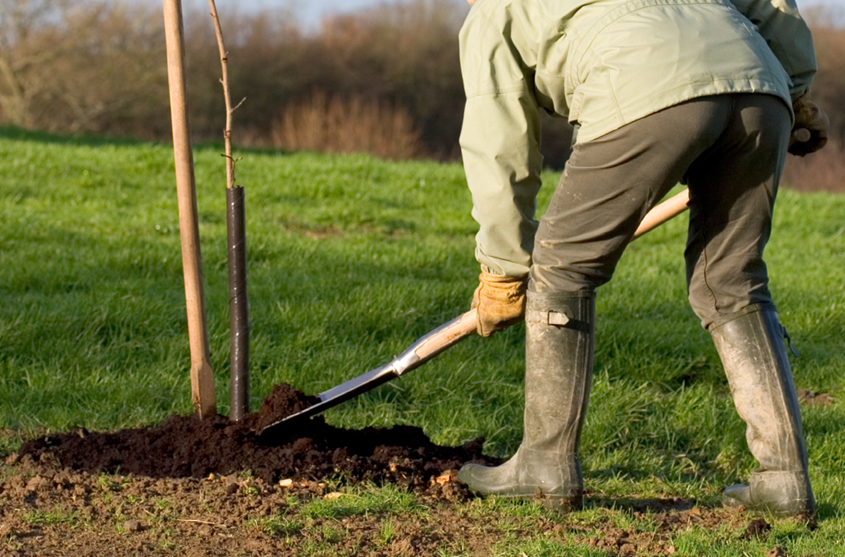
(803, 514)
(562, 503)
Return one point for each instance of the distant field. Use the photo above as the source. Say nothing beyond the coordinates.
(352, 258)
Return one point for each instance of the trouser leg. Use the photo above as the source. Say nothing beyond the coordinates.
(729, 147)
(608, 186)
(733, 186)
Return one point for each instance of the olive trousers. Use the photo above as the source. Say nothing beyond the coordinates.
(729, 149)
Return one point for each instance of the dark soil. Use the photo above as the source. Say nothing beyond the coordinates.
(284, 401)
(310, 449)
(209, 488)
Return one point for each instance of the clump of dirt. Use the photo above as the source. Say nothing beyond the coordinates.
(757, 528)
(813, 398)
(282, 402)
(186, 446)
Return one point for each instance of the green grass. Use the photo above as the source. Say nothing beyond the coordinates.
(357, 501)
(277, 525)
(54, 516)
(350, 260)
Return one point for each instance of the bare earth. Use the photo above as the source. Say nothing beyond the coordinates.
(213, 488)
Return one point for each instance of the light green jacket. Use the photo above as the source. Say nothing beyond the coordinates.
(601, 64)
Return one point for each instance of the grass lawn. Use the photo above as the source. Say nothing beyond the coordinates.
(350, 260)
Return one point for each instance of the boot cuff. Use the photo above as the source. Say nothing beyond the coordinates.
(556, 301)
(725, 319)
(573, 310)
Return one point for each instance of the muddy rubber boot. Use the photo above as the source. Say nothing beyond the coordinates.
(558, 369)
(751, 346)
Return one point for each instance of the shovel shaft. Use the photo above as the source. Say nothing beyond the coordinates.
(435, 342)
(670, 208)
(424, 349)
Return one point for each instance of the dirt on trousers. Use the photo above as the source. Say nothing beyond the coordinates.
(208, 488)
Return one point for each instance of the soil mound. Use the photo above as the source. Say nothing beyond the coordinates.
(186, 446)
(284, 401)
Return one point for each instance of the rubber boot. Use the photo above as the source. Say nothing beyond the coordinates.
(751, 346)
(558, 369)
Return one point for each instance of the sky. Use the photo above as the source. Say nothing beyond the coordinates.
(311, 12)
(314, 10)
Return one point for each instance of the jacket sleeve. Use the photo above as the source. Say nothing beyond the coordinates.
(789, 37)
(500, 147)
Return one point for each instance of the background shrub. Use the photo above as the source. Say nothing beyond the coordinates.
(384, 80)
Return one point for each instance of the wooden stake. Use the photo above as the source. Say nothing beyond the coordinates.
(202, 378)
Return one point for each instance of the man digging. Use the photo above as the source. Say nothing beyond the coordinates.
(712, 93)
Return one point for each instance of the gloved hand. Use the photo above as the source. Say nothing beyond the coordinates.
(808, 116)
(500, 302)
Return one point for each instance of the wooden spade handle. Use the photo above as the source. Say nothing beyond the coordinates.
(670, 208)
(451, 334)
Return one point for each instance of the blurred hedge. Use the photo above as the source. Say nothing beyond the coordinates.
(99, 67)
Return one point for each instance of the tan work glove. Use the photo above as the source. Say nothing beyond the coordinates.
(500, 302)
(811, 127)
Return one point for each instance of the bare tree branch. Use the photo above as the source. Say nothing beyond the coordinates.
(224, 63)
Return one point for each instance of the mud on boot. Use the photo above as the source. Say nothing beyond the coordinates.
(751, 346)
(530, 476)
(781, 494)
(558, 370)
